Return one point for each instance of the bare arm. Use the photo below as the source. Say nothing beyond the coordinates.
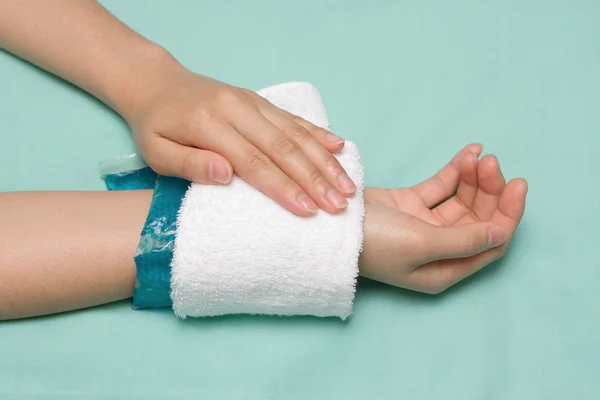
(82, 42)
(67, 250)
(184, 124)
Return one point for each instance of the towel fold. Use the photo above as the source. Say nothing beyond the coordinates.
(237, 251)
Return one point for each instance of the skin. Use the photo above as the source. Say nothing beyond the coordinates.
(67, 250)
(410, 240)
(184, 124)
(440, 231)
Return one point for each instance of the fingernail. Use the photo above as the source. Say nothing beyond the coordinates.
(336, 199)
(307, 203)
(219, 172)
(346, 183)
(331, 138)
(497, 236)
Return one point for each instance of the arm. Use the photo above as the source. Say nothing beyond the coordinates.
(184, 124)
(82, 42)
(67, 250)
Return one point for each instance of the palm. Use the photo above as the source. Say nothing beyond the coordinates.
(463, 192)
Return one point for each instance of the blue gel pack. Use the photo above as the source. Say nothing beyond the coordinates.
(139, 179)
(155, 249)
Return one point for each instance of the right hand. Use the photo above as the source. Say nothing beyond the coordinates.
(191, 126)
(426, 239)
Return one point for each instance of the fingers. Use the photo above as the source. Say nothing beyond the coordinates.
(467, 188)
(459, 205)
(457, 253)
(511, 205)
(259, 170)
(331, 142)
(438, 276)
(200, 166)
(286, 155)
(443, 184)
(463, 258)
(491, 183)
(172, 159)
(297, 129)
(462, 241)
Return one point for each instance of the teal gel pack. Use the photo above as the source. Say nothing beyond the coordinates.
(155, 248)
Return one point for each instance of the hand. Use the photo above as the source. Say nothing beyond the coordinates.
(427, 238)
(198, 128)
(184, 124)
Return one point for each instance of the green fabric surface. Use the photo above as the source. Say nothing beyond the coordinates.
(410, 82)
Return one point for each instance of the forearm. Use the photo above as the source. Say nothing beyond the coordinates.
(82, 42)
(67, 250)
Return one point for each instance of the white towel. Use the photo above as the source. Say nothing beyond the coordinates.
(237, 251)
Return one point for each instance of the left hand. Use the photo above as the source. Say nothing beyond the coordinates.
(426, 238)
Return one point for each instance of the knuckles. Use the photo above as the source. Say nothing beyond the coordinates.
(257, 163)
(199, 117)
(229, 96)
(472, 244)
(316, 178)
(285, 146)
(318, 132)
(333, 165)
(210, 111)
(297, 133)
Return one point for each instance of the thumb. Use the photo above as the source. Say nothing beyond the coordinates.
(464, 241)
(191, 163)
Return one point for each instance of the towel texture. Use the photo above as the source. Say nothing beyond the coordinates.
(237, 251)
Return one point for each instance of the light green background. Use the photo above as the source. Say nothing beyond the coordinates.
(411, 82)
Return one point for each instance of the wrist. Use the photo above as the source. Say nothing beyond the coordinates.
(141, 77)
